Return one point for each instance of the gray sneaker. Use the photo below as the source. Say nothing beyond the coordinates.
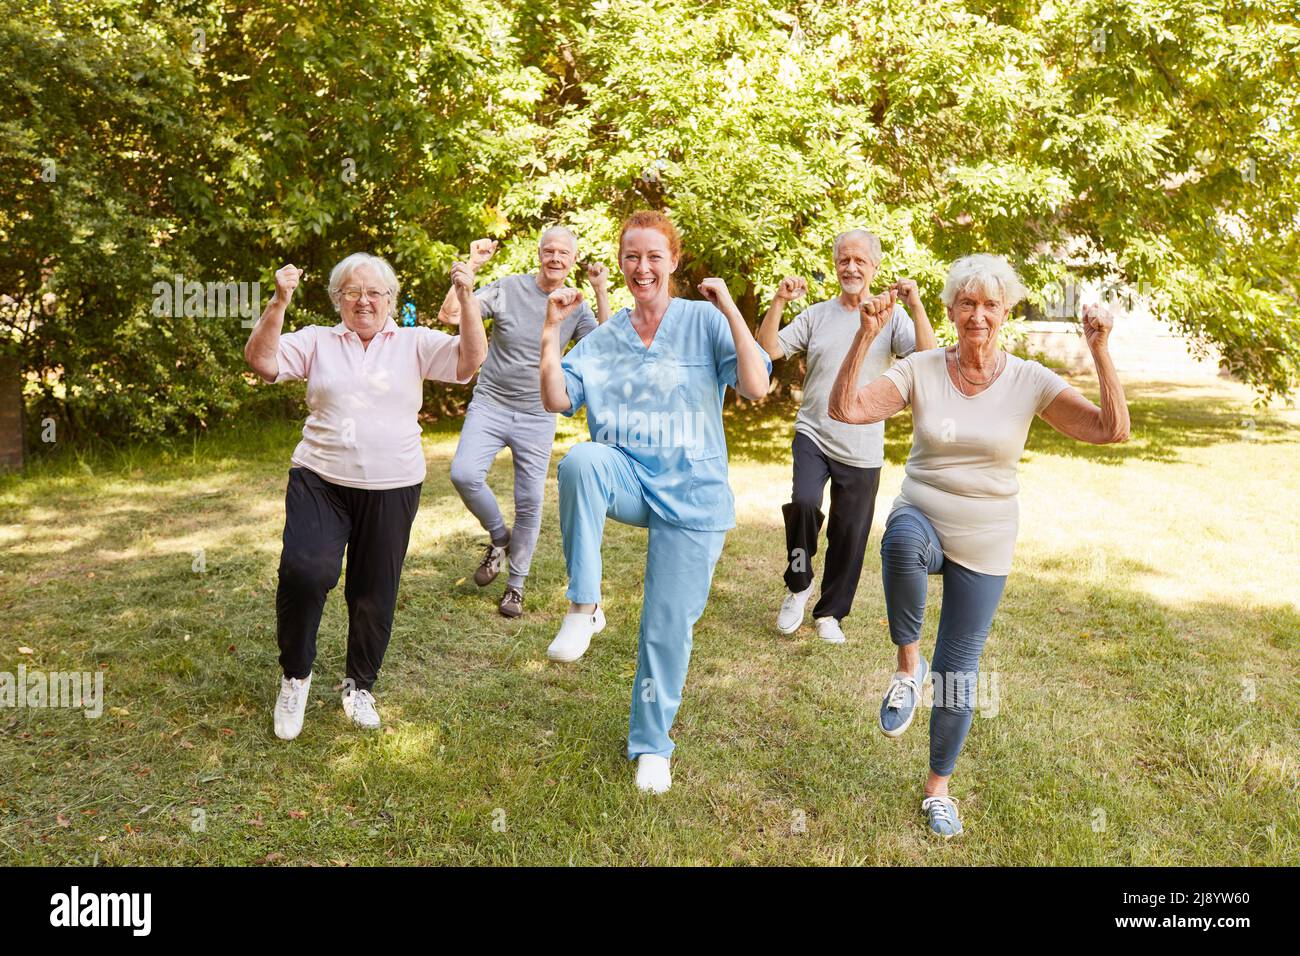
(512, 603)
(490, 566)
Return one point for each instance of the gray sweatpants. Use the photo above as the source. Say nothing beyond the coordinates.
(488, 428)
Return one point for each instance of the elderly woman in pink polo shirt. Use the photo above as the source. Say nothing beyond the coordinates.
(355, 479)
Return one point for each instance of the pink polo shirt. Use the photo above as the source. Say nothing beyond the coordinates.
(363, 430)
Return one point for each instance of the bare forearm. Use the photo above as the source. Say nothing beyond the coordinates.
(846, 403)
(449, 311)
(602, 304)
(473, 338)
(1114, 420)
(752, 380)
(924, 331)
(555, 397)
(769, 327)
(262, 349)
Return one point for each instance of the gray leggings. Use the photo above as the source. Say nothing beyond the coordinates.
(909, 553)
(488, 428)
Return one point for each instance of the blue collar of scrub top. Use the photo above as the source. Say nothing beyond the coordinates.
(636, 338)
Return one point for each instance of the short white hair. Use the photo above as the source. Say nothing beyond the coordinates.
(342, 272)
(986, 274)
(573, 240)
(871, 239)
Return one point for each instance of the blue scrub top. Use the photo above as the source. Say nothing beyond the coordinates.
(662, 406)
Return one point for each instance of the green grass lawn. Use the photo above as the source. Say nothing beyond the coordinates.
(1145, 655)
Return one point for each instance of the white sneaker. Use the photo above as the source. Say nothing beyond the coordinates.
(359, 705)
(575, 636)
(791, 614)
(652, 774)
(291, 706)
(828, 629)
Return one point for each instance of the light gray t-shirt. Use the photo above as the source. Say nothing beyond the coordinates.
(962, 472)
(517, 307)
(825, 331)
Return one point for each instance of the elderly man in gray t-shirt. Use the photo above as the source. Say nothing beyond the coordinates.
(506, 410)
(848, 456)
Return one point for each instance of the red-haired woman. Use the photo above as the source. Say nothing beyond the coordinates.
(652, 379)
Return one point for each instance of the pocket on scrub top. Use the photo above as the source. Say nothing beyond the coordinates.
(709, 479)
(697, 379)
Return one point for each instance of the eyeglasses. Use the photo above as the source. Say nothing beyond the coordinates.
(354, 295)
(967, 306)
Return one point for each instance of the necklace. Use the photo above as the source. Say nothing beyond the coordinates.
(956, 356)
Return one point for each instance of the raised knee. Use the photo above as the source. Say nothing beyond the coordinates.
(806, 504)
(580, 461)
(307, 572)
(904, 543)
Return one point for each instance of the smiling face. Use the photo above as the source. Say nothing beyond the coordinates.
(648, 264)
(366, 315)
(854, 265)
(978, 315)
(555, 257)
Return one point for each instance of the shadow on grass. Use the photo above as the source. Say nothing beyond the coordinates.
(1108, 699)
(1111, 699)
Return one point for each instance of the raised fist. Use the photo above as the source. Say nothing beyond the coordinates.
(875, 312)
(906, 290)
(715, 290)
(1097, 323)
(560, 305)
(597, 274)
(286, 280)
(791, 289)
(480, 251)
(462, 276)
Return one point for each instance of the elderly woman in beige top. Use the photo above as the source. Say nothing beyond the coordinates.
(957, 512)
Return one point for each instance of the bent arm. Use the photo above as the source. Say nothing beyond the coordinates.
(473, 338)
(867, 405)
(449, 311)
(921, 323)
(555, 397)
(263, 346)
(769, 327)
(1070, 413)
(752, 380)
(872, 403)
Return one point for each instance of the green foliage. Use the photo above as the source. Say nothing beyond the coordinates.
(1121, 141)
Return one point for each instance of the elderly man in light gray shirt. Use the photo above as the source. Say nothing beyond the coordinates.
(506, 410)
(848, 456)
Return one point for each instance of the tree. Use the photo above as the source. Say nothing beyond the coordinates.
(1086, 143)
(1124, 141)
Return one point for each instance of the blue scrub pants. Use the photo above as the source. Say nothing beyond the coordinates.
(597, 481)
(909, 553)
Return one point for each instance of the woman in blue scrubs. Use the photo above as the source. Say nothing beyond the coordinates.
(652, 379)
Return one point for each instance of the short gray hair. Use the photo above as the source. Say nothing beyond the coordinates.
(564, 229)
(871, 239)
(342, 272)
(987, 274)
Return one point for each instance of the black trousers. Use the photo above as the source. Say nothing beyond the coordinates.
(321, 520)
(853, 503)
